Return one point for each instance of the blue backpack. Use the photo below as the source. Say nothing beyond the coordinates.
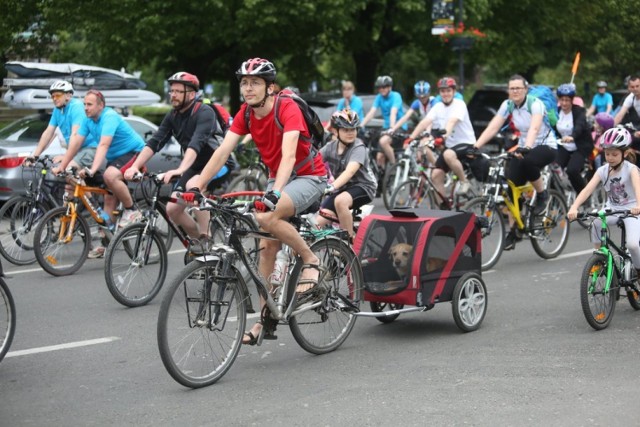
(548, 98)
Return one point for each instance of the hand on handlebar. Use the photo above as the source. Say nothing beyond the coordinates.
(268, 202)
(330, 189)
(193, 195)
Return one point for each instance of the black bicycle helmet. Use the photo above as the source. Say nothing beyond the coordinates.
(345, 119)
(384, 81)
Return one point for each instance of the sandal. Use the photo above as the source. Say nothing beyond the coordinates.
(312, 282)
(253, 339)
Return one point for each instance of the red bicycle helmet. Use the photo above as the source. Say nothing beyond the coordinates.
(186, 79)
(257, 67)
(446, 82)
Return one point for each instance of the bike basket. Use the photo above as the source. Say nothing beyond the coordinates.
(416, 257)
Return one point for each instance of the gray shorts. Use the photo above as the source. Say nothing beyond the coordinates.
(84, 157)
(304, 191)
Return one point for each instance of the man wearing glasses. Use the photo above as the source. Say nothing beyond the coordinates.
(118, 143)
(65, 120)
(195, 127)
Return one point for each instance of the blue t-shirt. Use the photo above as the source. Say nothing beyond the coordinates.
(125, 139)
(67, 117)
(421, 108)
(386, 103)
(600, 101)
(354, 105)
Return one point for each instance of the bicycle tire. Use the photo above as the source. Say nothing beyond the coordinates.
(413, 193)
(598, 307)
(378, 307)
(550, 230)
(469, 302)
(390, 181)
(634, 298)
(325, 328)
(246, 183)
(55, 256)
(18, 220)
(493, 236)
(7, 319)
(135, 265)
(187, 345)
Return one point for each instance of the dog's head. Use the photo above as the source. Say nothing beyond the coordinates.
(400, 254)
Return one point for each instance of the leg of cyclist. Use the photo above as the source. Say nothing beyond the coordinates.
(385, 145)
(451, 157)
(114, 180)
(574, 170)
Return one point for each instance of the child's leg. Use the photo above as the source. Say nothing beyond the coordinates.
(632, 227)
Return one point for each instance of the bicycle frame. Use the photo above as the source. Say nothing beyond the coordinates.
(80, 192)
(605, 244)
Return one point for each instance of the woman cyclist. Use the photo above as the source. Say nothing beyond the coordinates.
(621, 181)
(355, 185)
(575, 136)
(537, 143)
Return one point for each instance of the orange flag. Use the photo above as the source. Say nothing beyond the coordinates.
(574, 69)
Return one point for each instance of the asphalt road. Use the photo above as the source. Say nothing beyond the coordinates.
(81, 359)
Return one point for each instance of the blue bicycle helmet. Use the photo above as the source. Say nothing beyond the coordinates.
(422, 88)
(566, 89)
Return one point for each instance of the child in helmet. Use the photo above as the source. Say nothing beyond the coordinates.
(355, 184)
(621, 181)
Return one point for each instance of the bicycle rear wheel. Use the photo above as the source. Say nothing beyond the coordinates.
(550, 230)
(7, 318)
(339, 291)
(393, 177)
(135, 265)
(413, 193)
(201, 324)
(58, 251)
(493, 236)
(18, 220)
(598, 305)
(247, 183)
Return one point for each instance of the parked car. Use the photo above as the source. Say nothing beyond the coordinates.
(19, 139)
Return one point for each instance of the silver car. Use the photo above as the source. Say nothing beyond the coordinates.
(19, 139)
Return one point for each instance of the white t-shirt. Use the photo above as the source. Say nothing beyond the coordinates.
(565, 128)
(632, 101)
(618, 185)
(521, 118)
(462, 132)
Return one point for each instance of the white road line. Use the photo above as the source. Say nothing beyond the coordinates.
(572, 254)
(61, 346)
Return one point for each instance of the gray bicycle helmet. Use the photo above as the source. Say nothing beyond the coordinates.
(384, 81)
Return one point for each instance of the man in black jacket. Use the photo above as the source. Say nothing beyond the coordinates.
(195, 127)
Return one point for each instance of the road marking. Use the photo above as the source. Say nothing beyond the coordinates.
(61, 346)
(572, 254)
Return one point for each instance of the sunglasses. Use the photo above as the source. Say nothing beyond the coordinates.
(57, 95)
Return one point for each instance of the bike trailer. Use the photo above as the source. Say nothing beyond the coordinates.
(416, 257)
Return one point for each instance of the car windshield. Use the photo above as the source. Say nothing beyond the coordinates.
(28, 129)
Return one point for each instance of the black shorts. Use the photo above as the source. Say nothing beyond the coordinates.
(123, 162)
(478, 165)
(359, 196)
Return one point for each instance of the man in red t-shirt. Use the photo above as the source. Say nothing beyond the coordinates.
(297, 175)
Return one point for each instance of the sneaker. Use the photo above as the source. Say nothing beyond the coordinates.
(96, 253)
(510, 241)
(463, 187)
(541, 203)
(129, 216)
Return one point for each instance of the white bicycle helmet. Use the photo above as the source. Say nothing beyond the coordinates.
(617, 137)
(258, 67)
(61, 86)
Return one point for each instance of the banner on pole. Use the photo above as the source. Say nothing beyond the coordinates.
(442, 16)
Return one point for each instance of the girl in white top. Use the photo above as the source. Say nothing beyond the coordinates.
(621, 181)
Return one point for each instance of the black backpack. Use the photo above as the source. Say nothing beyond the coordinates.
(319, 136)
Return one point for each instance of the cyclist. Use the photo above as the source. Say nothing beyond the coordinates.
(118, 143)
(537, 143)
(355, 185)
(390, 104)
(65, 122)
(630, 110)
(452, 116)
(297, 175)
(350, 100)
(575, 135)
(621, 181)
(602, 101)
(195, 127)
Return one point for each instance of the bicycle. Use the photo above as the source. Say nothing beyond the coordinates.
(548, 231)
(7, 316)
(136, 260)
(203, 313)
(607, 271)
(20, 214)
(254, 178)
(56, 247)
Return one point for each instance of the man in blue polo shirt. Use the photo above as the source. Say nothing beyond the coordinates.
(65, 121)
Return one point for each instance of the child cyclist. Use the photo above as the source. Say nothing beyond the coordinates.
(347, 157)
(621, 181)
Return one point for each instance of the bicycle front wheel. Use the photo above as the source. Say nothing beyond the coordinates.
(493, 235)
(201, 324)
(549, 231)
(135, 265)
(7, 319)
(393, 177)
(60, 249)
(413, 193)
(598, 303)
(19, 218)
(324, 328)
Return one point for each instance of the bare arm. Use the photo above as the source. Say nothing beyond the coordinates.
(344, 177)
(402, 120)
(288, 162)
(491, 130)
(369, 116)
(618, 118)
(218, 159)
(101, 153)
(424, 124)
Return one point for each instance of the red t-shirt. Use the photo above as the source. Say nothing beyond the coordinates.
(268, 137)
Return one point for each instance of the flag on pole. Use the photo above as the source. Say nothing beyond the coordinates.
(574, 69)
